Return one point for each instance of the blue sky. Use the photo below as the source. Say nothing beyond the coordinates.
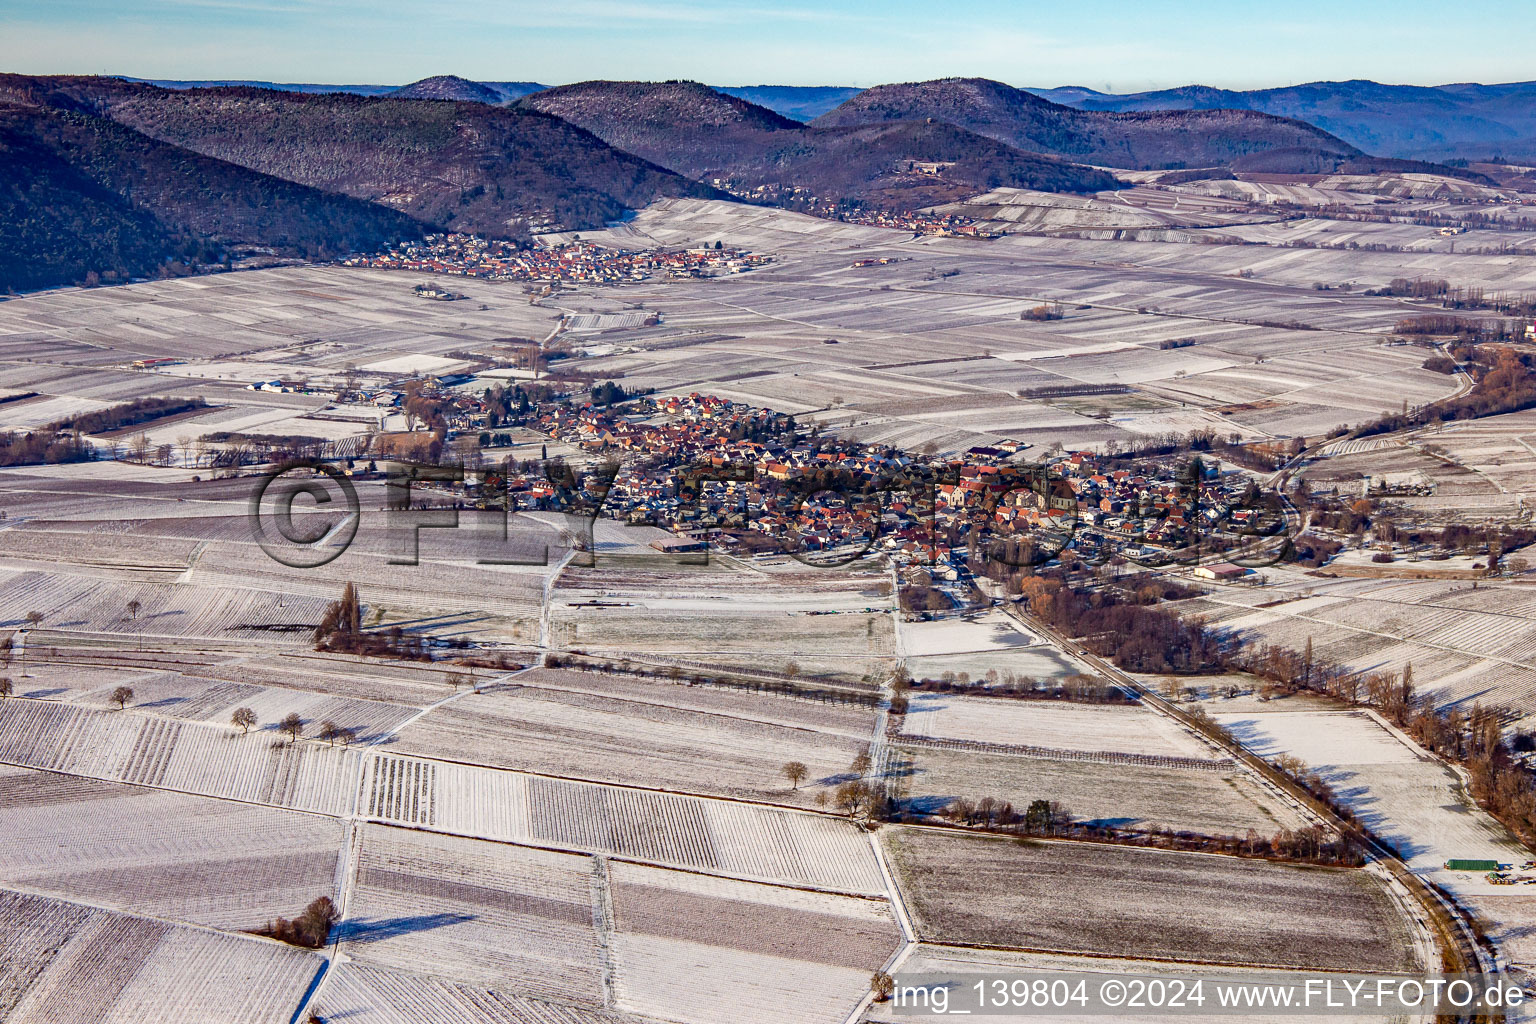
(1104, 44)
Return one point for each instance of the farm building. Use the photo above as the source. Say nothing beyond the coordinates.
(679, 545)
(1221, 571)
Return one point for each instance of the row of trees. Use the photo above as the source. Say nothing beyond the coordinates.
(1311, 844)
(292, 726)
(1081, 688)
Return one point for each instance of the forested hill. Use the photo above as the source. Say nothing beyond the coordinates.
(1166, 138)
(455, 165)
(85, 199)
(1467, 121)
(703, 133)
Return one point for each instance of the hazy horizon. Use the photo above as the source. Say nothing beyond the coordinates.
(776, 85)
(1122, 47)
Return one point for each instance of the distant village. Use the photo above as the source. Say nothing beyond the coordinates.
(802, 200)
(575, 261)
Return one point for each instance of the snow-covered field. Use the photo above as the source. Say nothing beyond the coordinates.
(478, 913)
(575, 848)
(1409, 799)
(1122, 795)
(169, 855)
(586, 736)
(696, 949)
(70, 963)
(989, 632)
(1054, 724)
(736, 839)
(192, 757)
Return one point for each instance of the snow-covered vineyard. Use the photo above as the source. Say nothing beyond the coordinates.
(494, 894)
(738, 839)
(745, 840)
(1465, 642)
(67, 962)
(596, 782)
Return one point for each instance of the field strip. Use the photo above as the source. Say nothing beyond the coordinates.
(1529, 620)
(105, 965)
(919, 948)
(643, 702)
(547, 604)
(1331, 624)
(1057, 754)
(898, 901)
(602, 923)
(1148, 957)
(995, 296)
(170, 754)
(734, 838)
(74, 901)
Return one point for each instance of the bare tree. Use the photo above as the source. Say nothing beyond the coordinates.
(5, 686)
(854, 797)
(346, 735)
(133, 611)
(244, 718)
(794, 771)
(1291, 765)
(861, 763)
(329, 731)
(121, 696)
(882, 985)
(293, 725)
(455, 680)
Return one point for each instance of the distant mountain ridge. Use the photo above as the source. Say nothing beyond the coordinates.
(1460, 120)
(704, 134)
(473, 167)
(801, 102)
(1466, 121)
(121, 178)
(221, 83)
(452, 87)
(438, 87)
(1180, 138)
